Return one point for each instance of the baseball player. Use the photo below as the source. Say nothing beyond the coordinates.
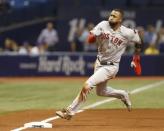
(112, 39)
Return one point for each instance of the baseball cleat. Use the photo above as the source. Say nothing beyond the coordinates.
(64, 114)
(126, 100)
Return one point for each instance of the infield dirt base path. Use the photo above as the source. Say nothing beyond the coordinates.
(90, 120)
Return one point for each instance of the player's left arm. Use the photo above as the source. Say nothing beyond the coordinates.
(136, 64)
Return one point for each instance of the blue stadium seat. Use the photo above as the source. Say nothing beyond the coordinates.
(157, 2)
(115, 3)
(66, 3)
(39, 1)
(140, 2)
(19, 3)
(90, 2)
(161, 48)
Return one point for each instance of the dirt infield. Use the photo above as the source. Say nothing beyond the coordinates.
(90, 120)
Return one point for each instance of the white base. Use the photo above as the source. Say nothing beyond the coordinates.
(38, 125)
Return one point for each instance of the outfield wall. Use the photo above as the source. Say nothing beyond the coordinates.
(71, 64)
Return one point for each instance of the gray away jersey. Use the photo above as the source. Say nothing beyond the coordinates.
(112, 44)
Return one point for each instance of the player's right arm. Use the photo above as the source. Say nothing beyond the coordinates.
(95, 32)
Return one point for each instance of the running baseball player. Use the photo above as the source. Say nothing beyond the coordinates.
(112, 39)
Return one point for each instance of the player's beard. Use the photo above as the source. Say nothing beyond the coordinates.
(113, 24)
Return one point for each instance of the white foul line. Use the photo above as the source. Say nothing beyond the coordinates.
(140, 89)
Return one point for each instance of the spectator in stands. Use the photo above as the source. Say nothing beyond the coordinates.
(1, 50)
(151, 50)
(84, 36)
(49, 37)
(4, 6)
(150, 36)
(24, 49)
(38, 50)
(76, 44)
(10, 45)
(160, 40)
(35, 51)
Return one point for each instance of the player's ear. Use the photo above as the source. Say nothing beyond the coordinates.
(120, 20)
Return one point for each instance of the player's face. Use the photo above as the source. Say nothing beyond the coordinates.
(115, 18)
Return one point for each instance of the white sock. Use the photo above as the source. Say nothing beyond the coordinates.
(75, 105)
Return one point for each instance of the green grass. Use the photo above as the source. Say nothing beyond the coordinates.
(57, 94)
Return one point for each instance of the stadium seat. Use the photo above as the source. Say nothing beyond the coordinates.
(19, 3)
(157, 2)
(115, 3)
(161, 48)
(66, 3)
(90, 3)
(140, 2)
(39, 1)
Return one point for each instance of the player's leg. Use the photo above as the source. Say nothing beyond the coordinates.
(103, 90)
(68, 112)
(99, 76)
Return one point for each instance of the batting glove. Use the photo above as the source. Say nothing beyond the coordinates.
(135, 64)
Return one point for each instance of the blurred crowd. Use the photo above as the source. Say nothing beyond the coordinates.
(48, 40)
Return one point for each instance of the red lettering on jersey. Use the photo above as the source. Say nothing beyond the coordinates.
(113, 39)
(120, 42)
(104, 36)
(107, 36)
(116, 40)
